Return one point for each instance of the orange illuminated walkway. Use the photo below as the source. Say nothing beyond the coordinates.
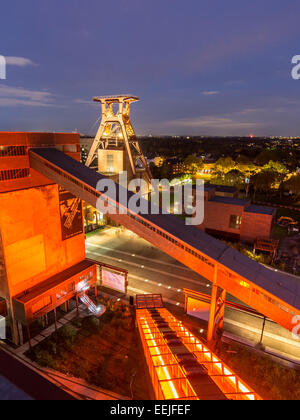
(181, 366)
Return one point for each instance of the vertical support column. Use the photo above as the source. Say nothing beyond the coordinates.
(77, 305)
(55, 319)
(217, 310)
(100, 274)
(20, 333)
(185, 302)
(29, 336)
(15, 329)
(126, 283)
(213, 305)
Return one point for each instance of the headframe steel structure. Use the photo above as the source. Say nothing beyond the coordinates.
(115, 129)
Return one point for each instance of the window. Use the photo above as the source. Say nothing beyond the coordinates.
(68, 289)
(235, 222)
(14, 174)
(110, 163)
(12, 151)
(70, 148)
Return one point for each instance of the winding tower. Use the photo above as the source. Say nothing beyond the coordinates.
(116, 144)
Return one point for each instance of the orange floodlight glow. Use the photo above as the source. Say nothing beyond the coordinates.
(168, 379)
(169, 374)
(228, 382)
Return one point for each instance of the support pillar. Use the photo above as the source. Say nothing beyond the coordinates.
(15, 331)
(29, 336)
(20, 333)
(217, 310)
(77, 305)
(126, 283)
(55, 320)
(64, 307)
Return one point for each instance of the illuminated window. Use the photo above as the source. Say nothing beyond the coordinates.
(70, 148)
(235, 222)
(110, 163)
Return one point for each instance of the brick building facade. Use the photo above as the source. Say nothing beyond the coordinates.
(228, 217)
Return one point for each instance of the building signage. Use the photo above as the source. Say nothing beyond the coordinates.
(71, 217)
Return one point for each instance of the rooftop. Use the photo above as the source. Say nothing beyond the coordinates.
(260, 209)
(116, 98)
(223, 188)
(231, 200)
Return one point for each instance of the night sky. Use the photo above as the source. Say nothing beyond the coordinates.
(199, 67)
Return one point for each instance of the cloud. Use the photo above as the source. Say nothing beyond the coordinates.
(211, 92)
(236, 123)
(16, 96)
(19, 61)
(213, 122)
(84, 102)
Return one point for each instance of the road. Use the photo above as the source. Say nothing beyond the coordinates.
(152, 271)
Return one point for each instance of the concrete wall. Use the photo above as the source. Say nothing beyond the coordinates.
(256, 225)
(217, 216)
(32, 242)
(69, 143)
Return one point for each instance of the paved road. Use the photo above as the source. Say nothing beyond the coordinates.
(21, 382)
(152, 271)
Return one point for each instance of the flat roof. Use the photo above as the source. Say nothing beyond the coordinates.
(260, 209)
(53, 282)
(223, 188)
(230, 200)
(116, 98)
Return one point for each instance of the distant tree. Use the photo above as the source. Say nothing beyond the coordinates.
(265, 156)
(224, 164)
(293, 185)
(235, 178)
(280, 171)
(275, 166)
(165, 171)
(263, 181)
(245, 165)
(193, 163)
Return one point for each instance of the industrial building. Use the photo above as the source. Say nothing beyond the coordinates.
(42, 244)
(228, 217)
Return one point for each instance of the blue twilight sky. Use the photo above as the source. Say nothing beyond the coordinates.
(198, 66)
